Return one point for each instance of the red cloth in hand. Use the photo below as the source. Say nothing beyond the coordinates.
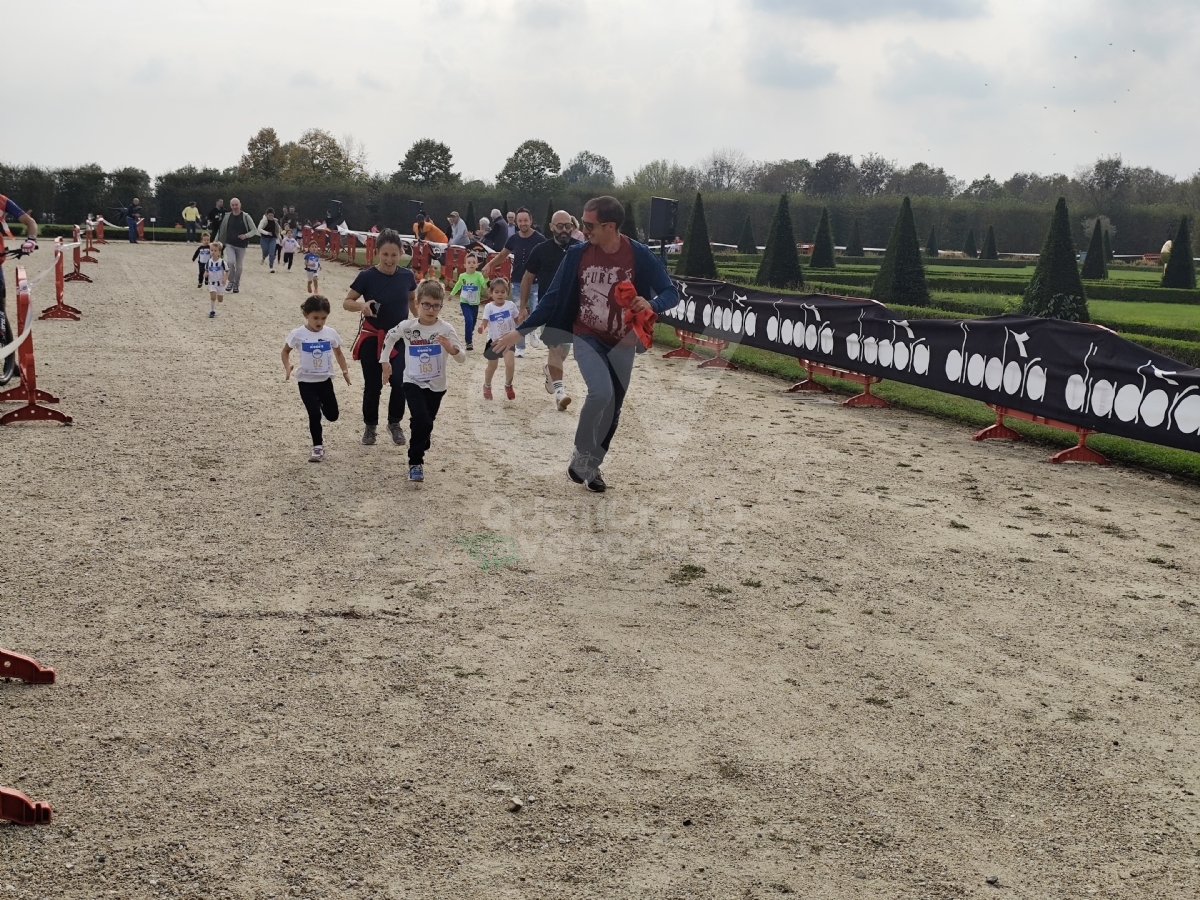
(642, 322)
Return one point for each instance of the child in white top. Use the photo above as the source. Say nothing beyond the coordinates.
(427, 341)
(316, 342)
(499, 316)
(217, 273)
(290, 246)
(312, 266)
(201, 257)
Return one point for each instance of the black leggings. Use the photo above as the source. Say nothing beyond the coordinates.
(200, 273)
(287, 258)
(423, 406)
(319, 398)
(372, 369)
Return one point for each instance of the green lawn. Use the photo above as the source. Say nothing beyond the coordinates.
(1148, 276)
(1169, 315)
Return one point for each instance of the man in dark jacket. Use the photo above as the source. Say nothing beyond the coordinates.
(215, 215)
(133, 215)
(582, 302)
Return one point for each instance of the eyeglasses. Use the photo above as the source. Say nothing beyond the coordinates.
(432, 307)
(562, 226)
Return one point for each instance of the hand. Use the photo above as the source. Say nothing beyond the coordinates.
(522, 315)
(506, 341)
(370, 307)
(387, 372)
(639, 303)
(287, 372)
(445, 343)
(28, 246)
(346, 375)
(241, 237)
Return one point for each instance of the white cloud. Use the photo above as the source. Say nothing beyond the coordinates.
(914, 73)
(853, 12)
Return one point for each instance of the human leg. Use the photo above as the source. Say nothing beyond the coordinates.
(235, 260)
(310, 394)
(470, 315)
(372, 373)
(287, 258)
(396, 397)
(199, 274)
(133, 233)
(606, 372)
(423, 406)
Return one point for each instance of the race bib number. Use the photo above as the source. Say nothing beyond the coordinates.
(318, 355)
(470, 294)
(425, 362)
(502, 323)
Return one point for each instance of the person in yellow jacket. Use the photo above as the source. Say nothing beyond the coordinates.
(191, 218)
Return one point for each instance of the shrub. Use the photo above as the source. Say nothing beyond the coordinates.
(1056, 291)
(780, 266)
(901, 277)
(746, 244)
(550, 215)
(854, 246)
(1180, 271)
(696, 257)
(822, 255)
(989, 245)
(629, 224)
(1108, 254)
(1094, 266)
(931, 245)
(969, 249)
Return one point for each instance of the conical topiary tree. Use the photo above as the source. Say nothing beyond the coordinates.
(746, 244)
(472, 222)
(1056, 291)
(549, 216)
(629, 223)
(780, 266)
(989, 245)
(1094, 265)
(854, 246)
(1181, 269)
(931, 245)
(1108, 254)
(901, 277)
(696, 257)
(822, 255)
(970, 251)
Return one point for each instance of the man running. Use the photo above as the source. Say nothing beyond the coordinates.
(235, 233)
(580, 302)
(540, 269)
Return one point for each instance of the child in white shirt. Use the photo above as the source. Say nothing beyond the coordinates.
(318, 345)
(217, 274)
(499, 316)
(290, 246)
(312, 266)
(428, 339)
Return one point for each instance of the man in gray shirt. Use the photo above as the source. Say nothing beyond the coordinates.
(237, 228)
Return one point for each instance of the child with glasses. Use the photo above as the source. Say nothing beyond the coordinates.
(428, 340)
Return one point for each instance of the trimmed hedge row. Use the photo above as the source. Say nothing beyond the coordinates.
(1106, 290)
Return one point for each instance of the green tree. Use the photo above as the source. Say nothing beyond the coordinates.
(1056, 290)
(696, 257)
(504, 209)
(854, 247)
(549, 215)
(822, 255)
(931, 245)
(472, 220)
(901, 278)
(529, 168)
(780, 266)
(427, 163)
(629, 223)
(588, 169)
(989, 245)
(319, 156)
(1094, 264)
(1181, 268)
(746, 244)
(1108, 253)
(263, 159)
(970, 251)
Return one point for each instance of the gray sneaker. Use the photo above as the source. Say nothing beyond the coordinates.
(397, 433)
(368, 437)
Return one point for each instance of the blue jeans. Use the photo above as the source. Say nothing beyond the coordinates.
(133, 232)
(606, 371)
(470, 317)
(191, 231)
(268, 249)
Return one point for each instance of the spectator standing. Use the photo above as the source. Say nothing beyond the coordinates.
(234, 234)
(215, 215)
(133, 215)
(512, 224)
(191, 220)
(458, 231)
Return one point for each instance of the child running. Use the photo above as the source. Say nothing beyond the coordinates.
(217, 274)
(290, 246)
(500, 314)
(314, 376)
(470, 288)
(427, 340)
(201, 256)
(312, 266)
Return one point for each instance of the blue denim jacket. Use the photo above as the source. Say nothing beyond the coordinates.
(559, 308)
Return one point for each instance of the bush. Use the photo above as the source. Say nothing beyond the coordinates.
(780, 265)
(854, 247)
(969, 249)
(989, 245)
(696, 257)
(1056, 290)
(1095, 267)
(746, 245)
(931, 245)
(1108, 254)
(1180, 271)
(822, 255)
(471, 221)
(629, 225)
(901, 277)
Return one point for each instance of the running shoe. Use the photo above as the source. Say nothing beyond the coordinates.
(212, 313)
(470, 346)
(233, 290)
(549, 380)
(562, 400)
(487, 392)
(397, 433)
(368, 437)
(597, 485)
(416, 473)
(318, 454)
(509, 392)
(520, 353)
(533, 340)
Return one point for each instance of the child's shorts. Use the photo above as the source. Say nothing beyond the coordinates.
(216, 288)
(311, 276)
(489, 353)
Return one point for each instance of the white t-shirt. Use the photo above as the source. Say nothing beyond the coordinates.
(501, 319)
(316, 352)
(424, 360)
(205, 255)
(216, 272)
(290, 244)
(312, 264)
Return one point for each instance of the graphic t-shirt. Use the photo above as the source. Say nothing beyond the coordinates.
(312, 264)
(216, 272)
(599, 313)
(204, 254)
(520, 248)
(290, 244)
(470, 287)
(316, 352)
(501, 319)
(424, 358)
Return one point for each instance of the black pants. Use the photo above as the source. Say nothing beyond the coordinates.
(200, 273)
(423, 406)
(278, 249)
(368, 358)
(287, 258)
(319, 398)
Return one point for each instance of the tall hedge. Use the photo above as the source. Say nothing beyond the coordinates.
(1181, 268)
(696, 257)
(629, 223)
(472, 221)
(901, 277)
(504, 209)
(780, 266)
(822, 254)
(1094, 265)
(989, 245)
(970, 251)
(1056, 291)
(746, 244)
(549, 216)
(931, 245)
(1108, 253)
(854, 247)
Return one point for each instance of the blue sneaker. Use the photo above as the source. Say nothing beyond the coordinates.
(212, 313)
(416, 473)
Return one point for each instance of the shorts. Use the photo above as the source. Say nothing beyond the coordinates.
(311, 276)
(216, 288)
(489, 353)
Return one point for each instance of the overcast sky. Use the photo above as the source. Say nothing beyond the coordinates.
(976, 86)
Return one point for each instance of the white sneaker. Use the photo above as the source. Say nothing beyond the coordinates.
(549, 380)
(520, 353)
(318, 454)
(533, 340)
(562, 400)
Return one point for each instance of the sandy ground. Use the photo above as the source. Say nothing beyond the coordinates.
(905, 663)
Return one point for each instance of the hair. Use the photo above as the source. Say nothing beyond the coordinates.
(431, 289)
(270, 209)
(471, 256)
(499, 282)
(314, 303)
(388, 236)
(205, 234)
(522, 209)
(607, 209)
(217, 246)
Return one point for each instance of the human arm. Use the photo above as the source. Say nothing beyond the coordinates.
(341, 361)
(450, 344)
(458, 285)
(412, 302)
(354, 303)
(31, 227)
(385, 352)
(196, 255)
(248, 223)
(498, 260)
(287, 361)
(526, 284)
(653, 279)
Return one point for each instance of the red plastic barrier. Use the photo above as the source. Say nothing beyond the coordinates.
(335, 244)
(1081, 452)
(351, 250)
(16, 807)
(60, 310)
(24, 668)
(686, 350)
(27, 392)
(76, 259)
(866, 398)
(454, 263)
(422, 256)
(141, 229)
(369, 251)
(88, 249)
(100, 232)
